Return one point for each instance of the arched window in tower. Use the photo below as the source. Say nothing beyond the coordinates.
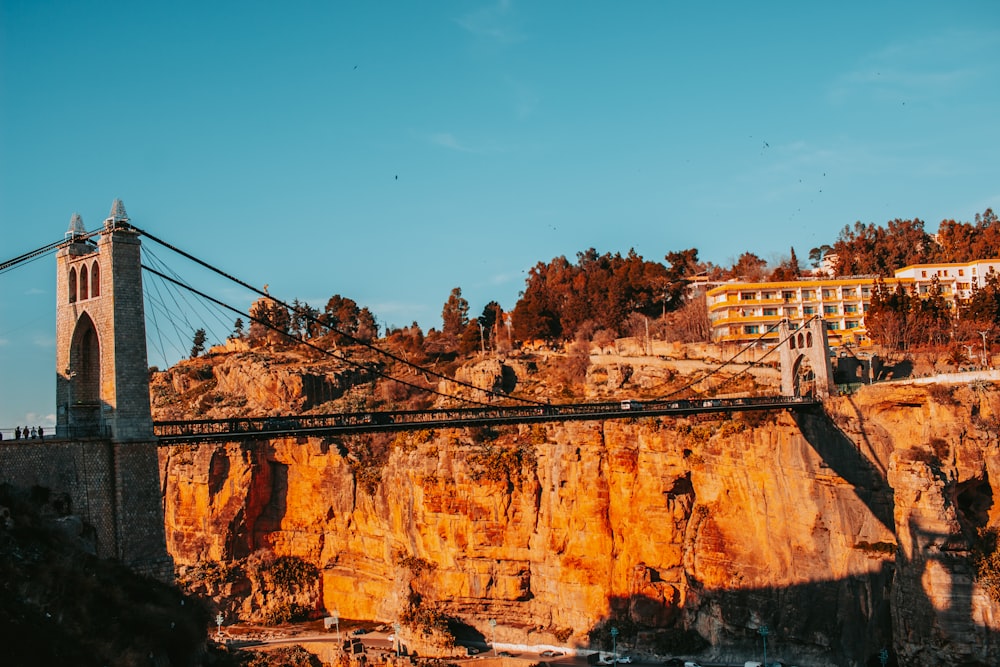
(95, 280)
(84, 293)
(809, 339)
(72, 285)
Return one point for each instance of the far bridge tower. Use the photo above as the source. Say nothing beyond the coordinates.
(805, 359)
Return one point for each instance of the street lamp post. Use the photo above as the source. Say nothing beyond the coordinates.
(396, 627)
(763, 633)
(614, 645)
(985, 353)
(493, 628)
(218, 622)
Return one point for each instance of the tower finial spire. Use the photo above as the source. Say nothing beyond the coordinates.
(118, 215)
(76, 227)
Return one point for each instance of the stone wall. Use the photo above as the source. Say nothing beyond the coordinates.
(113, 487)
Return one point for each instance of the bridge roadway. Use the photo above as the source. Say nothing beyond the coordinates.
(241, 428)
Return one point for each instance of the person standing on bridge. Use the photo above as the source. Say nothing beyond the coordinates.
(17, 432)
(34, 433)
(40, 431)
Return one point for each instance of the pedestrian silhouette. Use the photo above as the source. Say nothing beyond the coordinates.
(17, 432)
(40, 432)
(34, 433)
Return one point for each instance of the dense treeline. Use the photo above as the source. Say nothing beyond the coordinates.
(602, 296)
(900, 319)
(874, 250)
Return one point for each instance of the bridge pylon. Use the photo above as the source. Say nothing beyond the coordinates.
(102, 374)
(807, 346)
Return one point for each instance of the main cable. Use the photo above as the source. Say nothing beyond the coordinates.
(326, 325)
(371, 368)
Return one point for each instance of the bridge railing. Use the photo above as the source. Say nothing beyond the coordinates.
(302, 425)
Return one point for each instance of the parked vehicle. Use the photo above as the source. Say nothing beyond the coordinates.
(550, 654)
(624, 659)
(630, 404)
(471, 650)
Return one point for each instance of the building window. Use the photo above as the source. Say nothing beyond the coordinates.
(770, 312)
(791, 312)
(767, 296)
(747, 296)
(829, 310)
(849, 292)
(751, 329)
(923, 274)
(851, 325)
(807, 295)
(866, 292)
(829, 294)
(95, 280)
(833, 326)
(850, 308)
(808, 310)
(72, 285)
(788, 296)
(961, 272)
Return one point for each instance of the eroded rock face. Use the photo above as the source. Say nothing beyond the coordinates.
(843, 532)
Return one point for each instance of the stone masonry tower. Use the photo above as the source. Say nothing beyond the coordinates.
(805, 349)
(102, 385)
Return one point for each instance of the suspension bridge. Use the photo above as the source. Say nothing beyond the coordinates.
(102, 378)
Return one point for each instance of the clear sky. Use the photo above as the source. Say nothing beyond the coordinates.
(392, 151)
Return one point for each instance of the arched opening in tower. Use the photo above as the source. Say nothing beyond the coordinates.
(804, 377)
(85, 373)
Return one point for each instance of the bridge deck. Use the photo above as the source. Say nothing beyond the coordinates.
(239, 428)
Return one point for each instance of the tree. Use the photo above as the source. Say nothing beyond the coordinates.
(816, 255)
(889, 320)
(455, 314)
(238, 332)
(199, 343)
(749, 267)
(788, 269)
(490, 322)
(683, 264)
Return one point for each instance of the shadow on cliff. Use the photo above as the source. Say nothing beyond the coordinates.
(845, 458)
(809, 622)
(937, 565)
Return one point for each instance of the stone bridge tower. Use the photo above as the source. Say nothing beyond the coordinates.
(805, 358)
(102, 385)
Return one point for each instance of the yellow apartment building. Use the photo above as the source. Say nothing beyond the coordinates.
(742, 312)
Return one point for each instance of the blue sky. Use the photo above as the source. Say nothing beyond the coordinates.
(391, 151)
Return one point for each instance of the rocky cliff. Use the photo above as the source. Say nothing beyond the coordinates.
(843, 531)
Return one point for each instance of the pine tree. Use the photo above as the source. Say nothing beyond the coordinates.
(199, 343)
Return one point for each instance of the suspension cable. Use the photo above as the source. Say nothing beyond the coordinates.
(328, 326)
(372, 368)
